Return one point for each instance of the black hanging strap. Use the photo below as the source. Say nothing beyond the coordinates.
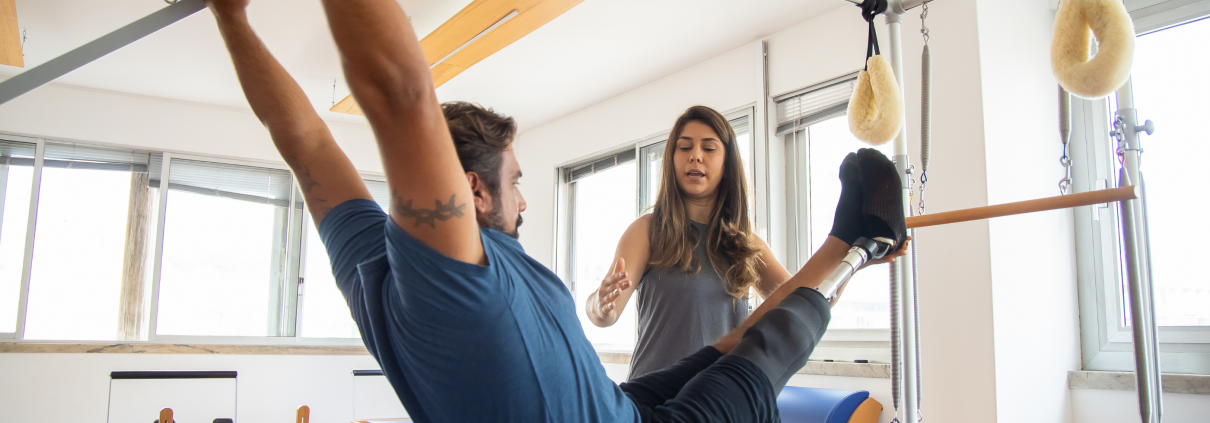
(870, 9)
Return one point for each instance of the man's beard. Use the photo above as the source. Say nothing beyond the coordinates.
(496, 221)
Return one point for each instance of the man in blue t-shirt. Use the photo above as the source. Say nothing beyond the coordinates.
(466, 326)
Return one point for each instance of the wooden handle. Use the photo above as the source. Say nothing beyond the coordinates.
(1052, 203)
(304, 415)
(166, 416)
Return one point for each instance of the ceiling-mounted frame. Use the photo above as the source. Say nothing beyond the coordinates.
(10, 35)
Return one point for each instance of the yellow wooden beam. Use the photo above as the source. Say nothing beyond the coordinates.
(469, 22)
(10, 35)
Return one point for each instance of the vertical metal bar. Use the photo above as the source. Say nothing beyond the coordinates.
(31, 227)
(165, 174)
(1138, 263)
(904, 270)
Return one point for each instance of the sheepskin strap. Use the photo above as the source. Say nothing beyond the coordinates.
(876, 108)
(1110, 67)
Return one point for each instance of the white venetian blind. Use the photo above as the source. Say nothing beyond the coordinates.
(246, 183)
(799, 109)
(588, 169)
(380, 192)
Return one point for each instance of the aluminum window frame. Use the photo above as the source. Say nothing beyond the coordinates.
(837, 344)
(1105, 340)
(295, 257)
(564, 242)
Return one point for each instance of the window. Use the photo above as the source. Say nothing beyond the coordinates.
(1168, 91)
(322, 310)
(814, 126)
(602, 200)
(599, 198)
(16, 181)
(80, 264)
(226, 242)
(94, 246)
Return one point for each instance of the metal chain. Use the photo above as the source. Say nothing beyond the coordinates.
(1065, 183)
(924, 29)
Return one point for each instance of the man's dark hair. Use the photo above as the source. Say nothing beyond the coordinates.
(480, 136)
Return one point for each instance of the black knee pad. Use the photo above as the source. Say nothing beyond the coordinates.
(782, 340)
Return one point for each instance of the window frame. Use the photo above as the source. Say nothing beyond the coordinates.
(839, 344)
(564, 242)
(1105, 339)
(295, 255)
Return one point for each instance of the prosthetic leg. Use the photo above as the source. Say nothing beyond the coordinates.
(863, 250)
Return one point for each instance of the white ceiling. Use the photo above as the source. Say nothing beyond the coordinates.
(597, 50)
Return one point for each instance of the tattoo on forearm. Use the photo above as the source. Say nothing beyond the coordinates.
(430, 216)
(303, 173)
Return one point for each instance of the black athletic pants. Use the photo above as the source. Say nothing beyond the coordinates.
(743, 385)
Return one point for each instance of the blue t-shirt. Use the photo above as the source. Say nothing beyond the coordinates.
(466, 343)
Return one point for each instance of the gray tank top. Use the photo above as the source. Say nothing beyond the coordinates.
(679, 313)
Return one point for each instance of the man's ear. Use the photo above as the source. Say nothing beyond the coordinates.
(483, 197)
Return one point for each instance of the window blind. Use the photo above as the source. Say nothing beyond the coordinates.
(588, 169)
(815, 104)
(17, 153)
(246, 183)
(380, 193)
(741, 125)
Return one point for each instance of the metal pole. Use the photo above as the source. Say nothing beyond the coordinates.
(904, 271)
(1138, 263)
(95, 49)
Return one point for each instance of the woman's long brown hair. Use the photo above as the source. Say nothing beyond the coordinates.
(728, 236)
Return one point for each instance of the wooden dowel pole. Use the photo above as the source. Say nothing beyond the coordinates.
(166, 416)
(1052, 203)
(304, 415)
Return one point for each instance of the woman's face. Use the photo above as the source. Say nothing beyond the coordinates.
(698, 160)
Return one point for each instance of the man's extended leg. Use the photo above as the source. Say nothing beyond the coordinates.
(776, 341)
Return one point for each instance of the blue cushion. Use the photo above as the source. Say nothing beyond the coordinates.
(815, 405)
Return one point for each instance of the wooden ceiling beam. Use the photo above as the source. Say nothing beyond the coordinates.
(10, 35)
(472, 20)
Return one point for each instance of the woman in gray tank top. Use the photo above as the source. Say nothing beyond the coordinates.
(696, 255)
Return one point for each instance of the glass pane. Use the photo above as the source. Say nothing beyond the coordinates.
(325, 314)
(743, 139)
(15, 181)
(223, 258)
(604, 207)
(653, 158)
(866, 300)
(1170, 88)
(78, 254)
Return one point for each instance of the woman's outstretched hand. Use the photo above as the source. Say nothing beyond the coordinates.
(604, 304)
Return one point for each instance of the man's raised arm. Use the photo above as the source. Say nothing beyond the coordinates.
(324, 173)
(389, 77)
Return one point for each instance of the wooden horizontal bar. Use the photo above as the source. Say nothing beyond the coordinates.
(1052, 203)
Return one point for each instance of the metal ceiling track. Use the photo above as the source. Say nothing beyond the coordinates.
(108, 43)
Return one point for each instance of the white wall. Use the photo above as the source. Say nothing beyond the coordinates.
(724, 82)
(1034, 298)
(81, 114)
(75, 387)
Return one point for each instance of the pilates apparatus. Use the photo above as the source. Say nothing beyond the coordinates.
(1106, 72)
(1090, 78)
